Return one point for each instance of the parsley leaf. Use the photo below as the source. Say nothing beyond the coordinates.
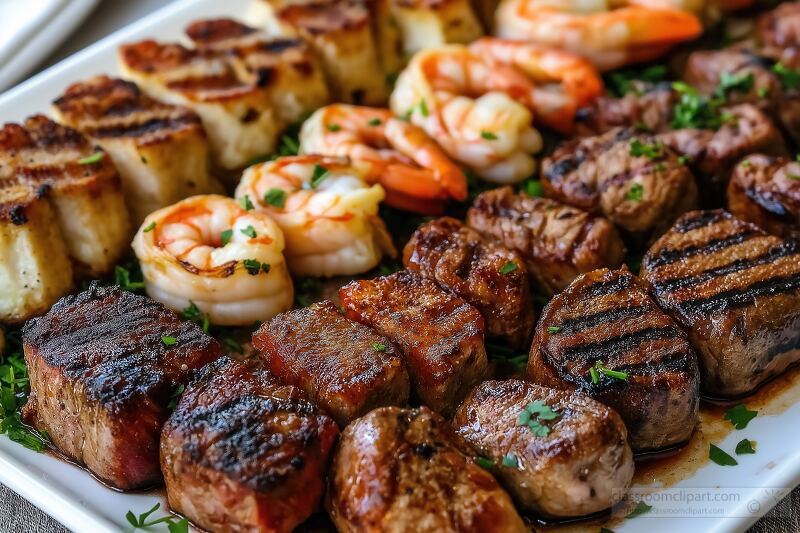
(91, 159)
(533, 188)
(640, 509)
(193, 313)
(374, 122)
(288, 146)
(378, 347)
(306, 290)
(744, 447)
(484, 462)
(334, 127)
(622, 82)
(737, 82)
(694, 110)
(254, 266)
(488, 135)
(720, 456)
(122, 278)
(553, 329)
(510, 461)
(231, 344)
(739, 416)
(508, 268)
(651, 151)
(175, 396)
(168, 340)
(790, 78)
(143, 521)
(599, 369)
(275, 197)
(534, 414)
(150, 227)
(245, 202)
(226, 236)
(249, 231)
(318, 175)
(635, 193)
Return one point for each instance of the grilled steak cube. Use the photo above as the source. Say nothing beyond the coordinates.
(103, 365)
(607, 317)
(242, 453)
(81, 182)
(765, 190)
(570, 453)
(777, 34)
(405, 470)
(634, 180)
(342, 366)
(647, 107)
(35, 270)
(160, 150)
(558, 242)
(439, 335)
(485, 273)
(736, 290)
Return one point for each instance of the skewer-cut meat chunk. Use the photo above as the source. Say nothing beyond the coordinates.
(483, 272)
(558, 242)
(243, 453)
(430, 23)
(606, 318)
(405, 470)
(439, 334)
(560, 454)
(103, 366)
(342, 366)
(736, 290)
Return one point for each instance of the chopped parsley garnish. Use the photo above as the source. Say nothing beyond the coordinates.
(696, 111)
(391, 78)
(763, 92)
(505, 355)
(249, 231)
(318, 175)
(534, 414)
(150, 227)
(226, 236)
(739, 416)
(510, 461)
(231, 344)
(142, 521)
(508, 268)
(683, 159)
(168, 340)
(374, 122)
(423, 108)
(720, 456)
(622, 82)
(740, 82)
(791, 176)
(175, 396)
(640, 509)
(288, 146)
(122, 278)
(334, 127)
(744, 447)
(254, 266)
(651, 151)
(275, 197)
(306, 290)
(533, 188)
(488, 135)
(378, 347)
(91, 159)
(553, 329)
(635, 193)
(193, 313)
(484, 462)
(245, 202)
(599, 369)
(790, 78)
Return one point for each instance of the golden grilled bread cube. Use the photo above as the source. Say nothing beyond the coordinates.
(160, 150)
(285, 67)
(35, 270)
(431, 23)
(238, 115)
(82, 183)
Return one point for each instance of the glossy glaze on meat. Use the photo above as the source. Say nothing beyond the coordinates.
(439, 335)
(342, 366)
(583, 463)
(483, 272)
(103, 366)
(736, 291)
(558, 242)
(243, 453)
(607, 316)
(399, 470)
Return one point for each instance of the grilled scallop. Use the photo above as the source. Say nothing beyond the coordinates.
(431, 23)
(736, 290)
(160, 150)
(82, 184)
(35, 271)
(560, 454)
(238, 115)
(606, 317)
(284, 67)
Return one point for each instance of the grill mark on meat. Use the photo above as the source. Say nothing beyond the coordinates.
(139, 129)
(676, 361)
(671, 255)
(784, 249)
(741, 297)
(620, 343)
(789, 345)
(574, 325)
(608, 287)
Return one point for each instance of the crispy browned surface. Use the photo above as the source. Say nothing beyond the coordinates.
(333, 360)
(649, 107)
(459, 259)
(325, 16)
(399, 470)
(439, 334)
(101, 379)
(243, 453)
(600, 173)
(558, 242)
(736, 290)
(210, 31)
(104, 107)
(16, 199)
(765, 190)
(582, 466)
(778, 33)
(607, 316)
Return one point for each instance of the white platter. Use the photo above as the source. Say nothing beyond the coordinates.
(75, 499)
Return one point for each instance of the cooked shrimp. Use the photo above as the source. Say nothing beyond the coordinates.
(326, 209)
(211, 251)
(563, 82)
(413, 169)
(608, 35)
(478, 111)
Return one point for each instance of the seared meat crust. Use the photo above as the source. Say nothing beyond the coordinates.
(342, 366)
(608, 316)
(485, 273)
(778, 33)
(648, 108)
(102, 367)
(581, 466)
(439, 335)
(243, 453)
(765, 190)
(558, 242)
(399, 470)
(736, 290)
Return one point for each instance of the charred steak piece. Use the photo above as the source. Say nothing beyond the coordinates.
(243, 453)
(648, 107)
(778, 33)
(103, 365)
(398, 470)
(606, 316)
(736, 290)
(439, 334)
(560, 454)
(558, 242)
(634, 180)
(483, 272)
(765, 190)
(344, 367)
